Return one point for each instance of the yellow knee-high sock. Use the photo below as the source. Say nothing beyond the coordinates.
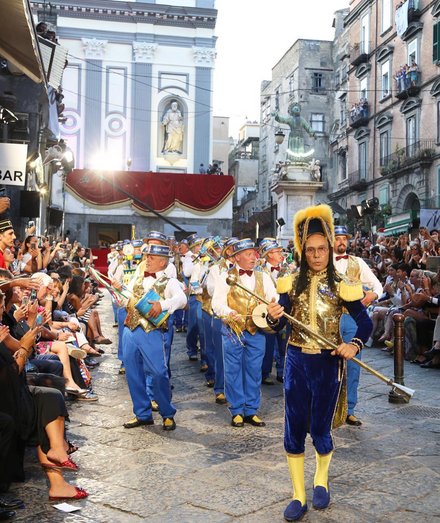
(295, 463)
(322, 466)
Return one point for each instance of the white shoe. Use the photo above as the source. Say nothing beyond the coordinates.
(369, 342)
(76, 353)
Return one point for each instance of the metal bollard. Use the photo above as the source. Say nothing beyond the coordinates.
(399, 358)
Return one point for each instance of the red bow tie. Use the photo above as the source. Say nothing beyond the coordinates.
(277, 268)
(147, 274)
(242, 271)
(342, 257)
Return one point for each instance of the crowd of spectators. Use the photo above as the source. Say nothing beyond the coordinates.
(359, 110)
(50, 340)
(406, 76)
(409, 269)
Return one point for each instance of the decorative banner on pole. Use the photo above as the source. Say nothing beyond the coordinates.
(13, 164)
(430, 218)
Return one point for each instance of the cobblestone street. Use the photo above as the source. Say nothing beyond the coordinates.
(207, 471)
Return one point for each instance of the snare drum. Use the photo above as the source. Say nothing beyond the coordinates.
(144, 307)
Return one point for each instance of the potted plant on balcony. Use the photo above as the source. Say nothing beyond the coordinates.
(426, 154)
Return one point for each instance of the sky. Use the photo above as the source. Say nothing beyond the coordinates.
(252, 37)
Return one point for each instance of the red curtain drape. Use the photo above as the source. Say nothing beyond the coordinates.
(160, 191)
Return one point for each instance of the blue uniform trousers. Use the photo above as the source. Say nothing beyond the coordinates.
(348, 330)
(181, 315)
(242, 364)
(275, 347)
(144, 356)
(311, 391)
(219, 383)
(181, 318)
(115, 311)
(209, 345)
(280, 350)
(195, 329)
(169, 337)
(122, 314)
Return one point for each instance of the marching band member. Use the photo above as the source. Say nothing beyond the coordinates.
(115, 265)
(272, 258)
(211, 258)
(120, 277)
(191, 269)
(144, 342)
(313, 375)
(355, 269)
(159, 238)
(222, 266)
(181, 316)
(244, 352)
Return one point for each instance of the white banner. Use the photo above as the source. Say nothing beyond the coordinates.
(430, 218)
(13, 163)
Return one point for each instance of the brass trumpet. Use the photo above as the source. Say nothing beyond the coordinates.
(406, 392)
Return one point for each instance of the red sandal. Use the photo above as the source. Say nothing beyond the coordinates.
(80, 494)
(65, 465)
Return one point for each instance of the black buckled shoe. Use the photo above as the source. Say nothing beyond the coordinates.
(136, 422)
(237, 421)
(254, 420)
(353, 420)
(169, 424)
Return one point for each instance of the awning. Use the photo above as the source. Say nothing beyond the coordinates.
(18, 39)
(159, 191)
(394, 231)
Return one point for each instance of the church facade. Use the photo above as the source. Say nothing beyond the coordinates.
(138, 97)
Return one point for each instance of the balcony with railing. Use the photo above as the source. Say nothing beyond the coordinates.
(357, 180)
(419, 153)
(414, 13)
(359, 114)
(408, 81)
(360, 53)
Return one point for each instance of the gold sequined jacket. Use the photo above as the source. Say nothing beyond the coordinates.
(320, 309)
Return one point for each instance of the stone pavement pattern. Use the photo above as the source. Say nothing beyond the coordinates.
(206, 471)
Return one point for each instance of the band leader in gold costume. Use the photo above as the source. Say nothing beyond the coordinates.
(313, 374)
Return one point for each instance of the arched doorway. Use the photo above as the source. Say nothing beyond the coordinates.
(411, 202)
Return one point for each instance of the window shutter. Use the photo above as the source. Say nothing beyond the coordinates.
(435, 43)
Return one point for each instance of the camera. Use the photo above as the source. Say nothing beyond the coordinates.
(30, 224)
(33, 294)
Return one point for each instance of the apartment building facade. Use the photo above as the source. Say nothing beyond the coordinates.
(385, 134)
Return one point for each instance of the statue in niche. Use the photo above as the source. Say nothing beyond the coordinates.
(174, 129)
(297, 124)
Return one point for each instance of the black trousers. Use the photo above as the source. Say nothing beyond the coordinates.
(7, 435)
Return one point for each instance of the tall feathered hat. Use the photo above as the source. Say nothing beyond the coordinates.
(311, 220)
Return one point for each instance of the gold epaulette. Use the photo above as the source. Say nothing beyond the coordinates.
(284, 284)
(350, 291)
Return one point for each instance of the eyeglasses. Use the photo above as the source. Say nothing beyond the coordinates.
(320, 251)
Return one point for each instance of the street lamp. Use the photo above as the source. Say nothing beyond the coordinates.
(279, 136)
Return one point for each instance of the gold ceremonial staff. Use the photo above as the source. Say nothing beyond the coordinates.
(406, 392)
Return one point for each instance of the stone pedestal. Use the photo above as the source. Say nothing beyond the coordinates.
(292, 195)
(298, 173)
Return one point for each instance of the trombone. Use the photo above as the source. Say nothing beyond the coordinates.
(401, 390)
